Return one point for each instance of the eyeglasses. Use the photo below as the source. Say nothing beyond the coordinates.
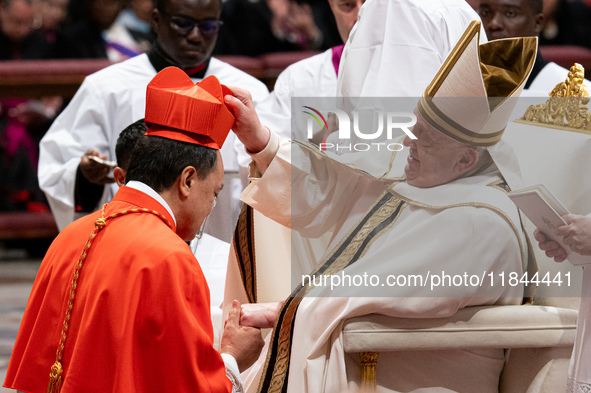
(200, 233)
(185, 25)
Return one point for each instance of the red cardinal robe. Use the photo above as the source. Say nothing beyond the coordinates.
(140, 321)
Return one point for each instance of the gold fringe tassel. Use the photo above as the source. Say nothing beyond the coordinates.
(369, 360)
(55, 378)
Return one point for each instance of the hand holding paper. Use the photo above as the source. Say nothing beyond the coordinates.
(110, 164)
(577, 234)
(95, 168)
(550, 247)
(560, 234)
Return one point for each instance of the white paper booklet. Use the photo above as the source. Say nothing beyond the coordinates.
(546, 211)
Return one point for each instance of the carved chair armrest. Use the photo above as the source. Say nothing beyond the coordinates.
(470, 328)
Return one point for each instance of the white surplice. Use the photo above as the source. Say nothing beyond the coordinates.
(464, 227)
(579, 372)
(397, 46)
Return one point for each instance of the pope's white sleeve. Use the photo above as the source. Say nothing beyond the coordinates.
(83, 124)
(321, 187)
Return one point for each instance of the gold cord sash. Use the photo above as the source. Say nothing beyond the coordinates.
(55, 376)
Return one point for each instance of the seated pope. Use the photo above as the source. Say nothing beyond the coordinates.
(431, 236)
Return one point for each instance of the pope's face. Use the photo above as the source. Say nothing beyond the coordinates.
(192, 48)
(433, 158)
(509, 18)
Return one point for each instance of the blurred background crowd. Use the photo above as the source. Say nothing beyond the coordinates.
(119, 29)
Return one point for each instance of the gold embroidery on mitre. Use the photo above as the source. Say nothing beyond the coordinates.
(567, 106)
(472, 30)
(494, 71)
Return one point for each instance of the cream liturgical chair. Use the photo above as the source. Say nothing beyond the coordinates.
(552, 141)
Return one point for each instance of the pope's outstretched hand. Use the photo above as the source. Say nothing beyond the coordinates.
(261, 315)
(247, 126)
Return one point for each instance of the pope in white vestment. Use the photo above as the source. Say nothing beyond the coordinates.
(429, 224)
(384, 31)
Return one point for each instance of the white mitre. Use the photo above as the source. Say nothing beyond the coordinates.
(475, 91)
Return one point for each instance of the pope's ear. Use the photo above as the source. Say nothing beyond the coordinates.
(468, 161)
(187, 181)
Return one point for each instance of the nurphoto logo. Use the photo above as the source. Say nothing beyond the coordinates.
(368, 128)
